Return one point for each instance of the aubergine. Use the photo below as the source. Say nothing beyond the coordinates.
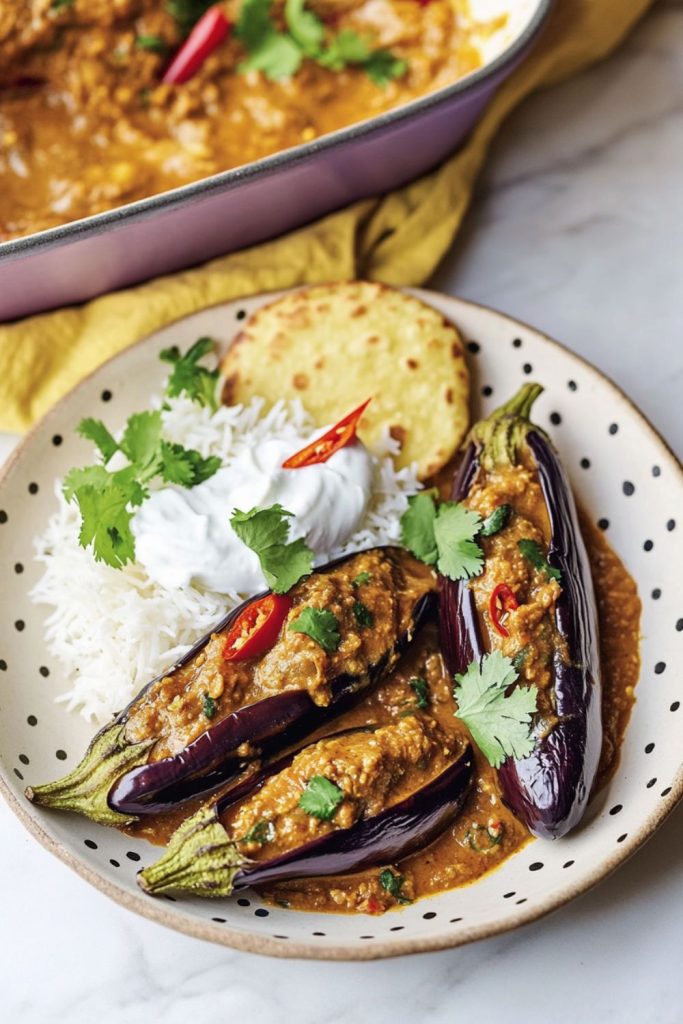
(549, 789)
(122, 775)
(206, 857)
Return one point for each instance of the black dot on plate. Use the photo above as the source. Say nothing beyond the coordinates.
(656, 471)
(243, 902)
(114, 863)
(671, 525)
(19, 625)
(90, 843)
(218, 920)
(675, 706)
(527, 368)
(455, 920)
(44, 671)
(555, 418)
(60, 755)
(536, 866)
(665, 792)
(473, 347)
(3, 665)
(396, 928)
(132, 855)
(679, 625)
(261, 912)
(649, 748)
(321, 935)
(656, 594)
(18, 568)
(621, 838)
(516, 342)
(508, 895)
(106, 396)
(659, 667)
(57, 440)
(487, 391)
(32, 720)
(651, 783)
(280, 936)
(18, 774)
(567, 863)
(240, 314)
(3, 516)
(366, 936)
(603, 524)
(648, 545)
(613, 427)
(518, 902)
(23, 758)
(585, 463)
(616, 808)
(572, 385)
(628, 488)
(429, 916)
(33, 488)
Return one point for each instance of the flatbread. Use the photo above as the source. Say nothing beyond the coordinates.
(332, 346)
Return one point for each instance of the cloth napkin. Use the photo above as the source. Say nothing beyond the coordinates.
(398, 238)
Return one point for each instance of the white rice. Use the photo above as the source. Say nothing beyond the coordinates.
(112, 630)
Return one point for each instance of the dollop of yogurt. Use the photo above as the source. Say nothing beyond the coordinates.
(183, 536)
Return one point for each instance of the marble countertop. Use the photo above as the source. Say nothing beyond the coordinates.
(576, 229)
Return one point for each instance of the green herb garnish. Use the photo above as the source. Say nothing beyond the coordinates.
(361, 579)
(187, 12)
(187, 377)
(155, 44)
(320, 625)
(500, 724)
(262, 832)
(363, 615)
(533, 553)
(498, 519)
(209, 706)
(420, 688)
(265, 531)
(321, 798)
(393, 884)
(519, 659)
(443, 536)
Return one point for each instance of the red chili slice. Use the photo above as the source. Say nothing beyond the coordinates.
(206, 36)
(334, 440)
(257, 628)
(502, 600)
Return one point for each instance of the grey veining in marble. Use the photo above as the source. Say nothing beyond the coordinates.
(577, 228)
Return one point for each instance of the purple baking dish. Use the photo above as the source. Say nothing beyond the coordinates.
(237, 208)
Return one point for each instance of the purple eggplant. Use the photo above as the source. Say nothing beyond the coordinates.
(204, 860)
(117, 781)
(550, 788)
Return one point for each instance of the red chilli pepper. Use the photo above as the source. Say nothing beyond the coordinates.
(502, 599)
(338, 437)
(257, 628)
(206, 36)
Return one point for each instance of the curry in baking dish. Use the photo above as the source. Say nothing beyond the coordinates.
(380, 725)
(107, 101)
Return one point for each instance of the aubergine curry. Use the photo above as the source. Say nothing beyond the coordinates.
(107, 101)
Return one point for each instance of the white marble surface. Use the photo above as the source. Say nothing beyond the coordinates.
(577, 229)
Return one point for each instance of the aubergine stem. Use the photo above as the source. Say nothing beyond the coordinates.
(200, 857)
(500, 436)
(86, 788)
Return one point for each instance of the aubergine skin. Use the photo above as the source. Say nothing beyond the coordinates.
(204, 861)
(549, 789)
(116, 782)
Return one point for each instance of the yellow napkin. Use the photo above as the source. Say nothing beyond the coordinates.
(398, 238)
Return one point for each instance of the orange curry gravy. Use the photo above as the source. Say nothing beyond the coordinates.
(86, 124)
(486, 832)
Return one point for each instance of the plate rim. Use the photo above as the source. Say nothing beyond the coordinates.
(286, 948)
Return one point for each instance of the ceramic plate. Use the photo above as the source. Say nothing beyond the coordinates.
(625, 477)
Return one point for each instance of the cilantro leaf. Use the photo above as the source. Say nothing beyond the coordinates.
(321, 798)
(276, 54)
(393, 884)
(187, 12)
(262, 832)
(460, 557)
(105, 523)
(254, 23)
(320, 625)
(95, 431)
(152, 43)
(382, 66)
(305, 27)
(141, 440)
(532, 552)
(187, 377)
(500, 724)
(417, 528)
(497, 521)
(361, 579)
(265, 531)
(363, 615)
(86, 476)
(209, 706)
(420, 688)
(185, 466)
(347, 47)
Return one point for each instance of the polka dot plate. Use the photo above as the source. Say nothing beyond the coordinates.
(627, 480)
